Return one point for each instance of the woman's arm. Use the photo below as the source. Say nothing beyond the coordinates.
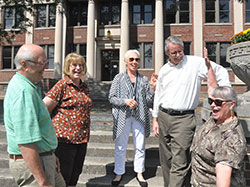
(223, 175)
(51, 104)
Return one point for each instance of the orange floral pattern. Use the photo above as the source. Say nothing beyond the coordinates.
(72, 120)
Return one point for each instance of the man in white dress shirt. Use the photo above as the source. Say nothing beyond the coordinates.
(176, 97)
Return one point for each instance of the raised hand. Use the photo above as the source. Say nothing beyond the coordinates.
(153, 81)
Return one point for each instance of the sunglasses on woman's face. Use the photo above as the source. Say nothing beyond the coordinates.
(217, 102)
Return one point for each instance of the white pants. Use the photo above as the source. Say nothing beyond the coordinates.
(139, 146)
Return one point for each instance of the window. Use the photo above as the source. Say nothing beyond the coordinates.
(78, 12)
(217, 11)
(46, 15)
(247, 9)
(8, 56)
(49, 51)
(78, 48)
(217, 52)
(177, 11)
(142, 12)
(146, 51)
(14, 17)
(110, 13)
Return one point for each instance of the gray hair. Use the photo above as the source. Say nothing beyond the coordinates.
(174, 40)
(128, 52)
(23, 55)
(225, 93)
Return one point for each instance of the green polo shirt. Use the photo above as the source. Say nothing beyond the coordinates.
(26, 117)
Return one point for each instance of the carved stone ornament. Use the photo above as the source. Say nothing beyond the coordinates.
(238, 55)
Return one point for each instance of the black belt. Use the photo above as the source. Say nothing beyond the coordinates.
(40, 154)
(176, 112)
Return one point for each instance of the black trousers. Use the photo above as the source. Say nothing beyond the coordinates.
(71, 157)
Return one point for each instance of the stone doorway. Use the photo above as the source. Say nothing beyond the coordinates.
(110, 64)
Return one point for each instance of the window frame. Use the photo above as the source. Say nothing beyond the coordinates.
(110, 14)
(178, 12)
(79, 6)
(142, 11)
(14, 49)
(50, 58)
(218, 57)
(14, 17)
(143, 56)
(48, 15)
(217, 12)
(76, 48)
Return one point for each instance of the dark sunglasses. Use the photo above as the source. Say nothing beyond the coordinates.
(132, 59)
(217, 102)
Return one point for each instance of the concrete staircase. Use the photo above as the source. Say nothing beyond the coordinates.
(99, 162)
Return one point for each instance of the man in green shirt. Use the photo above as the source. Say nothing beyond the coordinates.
(30, 133)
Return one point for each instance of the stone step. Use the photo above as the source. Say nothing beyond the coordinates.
(6, 179)
(127, 181)
(105, 166)
(107, 150)
(97, 136)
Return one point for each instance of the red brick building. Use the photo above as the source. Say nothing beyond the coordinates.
(102, 30)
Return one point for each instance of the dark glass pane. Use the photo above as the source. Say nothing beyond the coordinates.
(148, 18)
(224, 17)
(136, 18)
(6, 58)
(136, 8)
(41, 16)
(83, 50)
(148, 60)
(223, 54)
(52, 16)
(247, 5)
(184, 5)
(170, 18)
(184, 17)
(84, 14)
(170, 5)
(73, 14)
(210, 4)
(211, 47)
(248, 17)
(8, 18)
(210, 17)
(50, 56)
(147, 8)
(105, 15)
(224, 5)
(115, 14)
(187, 48)
(20, 17)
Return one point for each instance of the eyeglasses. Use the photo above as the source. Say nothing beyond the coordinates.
(132, 59)
(176, 52)
(75, 65)
(217, 102)
(42, 63)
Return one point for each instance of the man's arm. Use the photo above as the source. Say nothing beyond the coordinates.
(32, 159)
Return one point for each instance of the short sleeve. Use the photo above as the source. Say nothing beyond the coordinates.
(231, 150)
(56, 91)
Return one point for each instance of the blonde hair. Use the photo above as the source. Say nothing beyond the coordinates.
(74, 57)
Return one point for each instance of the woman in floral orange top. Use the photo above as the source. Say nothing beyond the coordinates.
(70, 98)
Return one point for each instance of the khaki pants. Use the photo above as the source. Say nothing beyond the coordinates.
(175, 138)
(24, 177)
